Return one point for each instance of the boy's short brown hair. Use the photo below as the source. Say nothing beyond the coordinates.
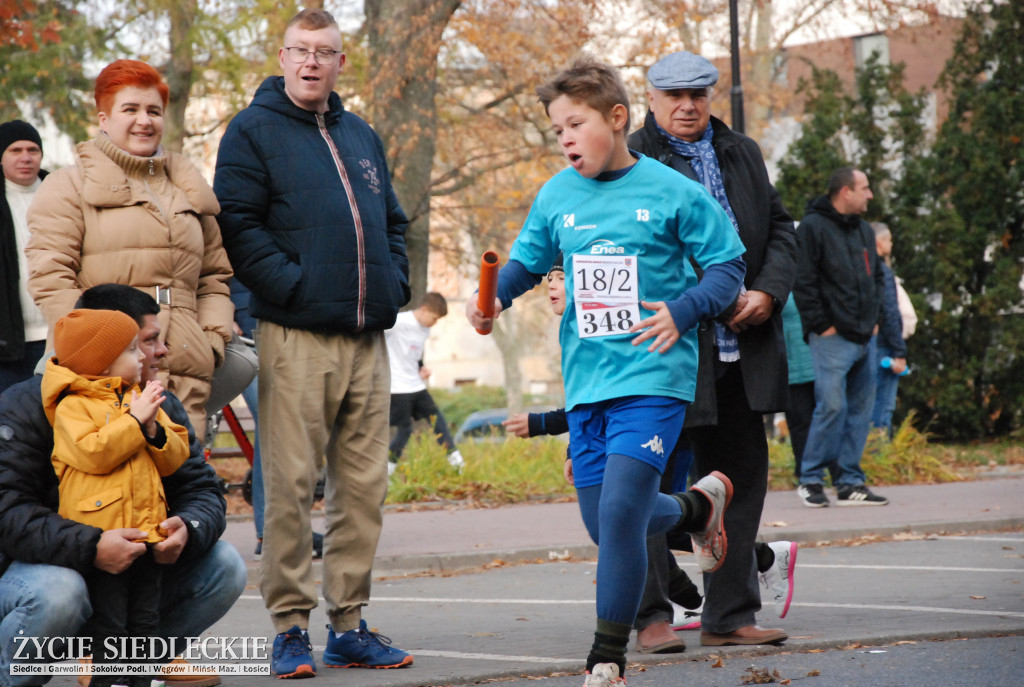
(312, 19)
(435, 303)
(590, 82)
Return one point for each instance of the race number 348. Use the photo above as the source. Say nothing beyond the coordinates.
(605, 292)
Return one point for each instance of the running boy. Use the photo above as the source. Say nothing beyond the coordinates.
(110, 453)
(627, 226)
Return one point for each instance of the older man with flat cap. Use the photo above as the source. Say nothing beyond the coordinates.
(742, 371)
(22, 325)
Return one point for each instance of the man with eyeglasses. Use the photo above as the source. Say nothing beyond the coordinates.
(314, 230)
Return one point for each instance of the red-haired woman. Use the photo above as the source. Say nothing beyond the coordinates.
(130, 212)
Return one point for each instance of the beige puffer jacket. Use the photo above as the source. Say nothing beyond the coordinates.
(144, 222)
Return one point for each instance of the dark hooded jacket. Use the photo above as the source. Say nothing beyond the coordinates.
(31, 531)
(839, 279)
(12, 320)
(766, 229)
(309, 218)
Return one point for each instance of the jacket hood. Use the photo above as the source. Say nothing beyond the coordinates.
(822, 205)
(271, 95)
(58, 381)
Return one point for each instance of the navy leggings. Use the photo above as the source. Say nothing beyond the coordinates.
(619, 515)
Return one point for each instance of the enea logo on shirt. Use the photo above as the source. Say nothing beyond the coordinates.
(605, 247)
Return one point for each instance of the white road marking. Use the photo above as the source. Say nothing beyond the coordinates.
(929, 568)
(919, 609)
(494, 657)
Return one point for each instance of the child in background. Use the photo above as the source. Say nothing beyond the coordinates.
(628, 227)
(410, 399)
(110, 451)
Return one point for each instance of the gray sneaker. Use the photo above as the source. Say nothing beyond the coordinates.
(710, 544)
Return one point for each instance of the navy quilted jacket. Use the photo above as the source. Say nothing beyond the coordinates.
(309, 218)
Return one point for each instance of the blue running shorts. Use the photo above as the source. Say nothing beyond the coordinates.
(641, 427)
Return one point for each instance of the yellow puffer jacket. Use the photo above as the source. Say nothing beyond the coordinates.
(109, 474)
(144, 222)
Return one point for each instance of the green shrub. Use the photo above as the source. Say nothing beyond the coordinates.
(502, 471)
(908, 459)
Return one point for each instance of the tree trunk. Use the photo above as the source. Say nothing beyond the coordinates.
(404, 39)
(179, 71)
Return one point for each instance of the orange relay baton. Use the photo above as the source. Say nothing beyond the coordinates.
(488, 286)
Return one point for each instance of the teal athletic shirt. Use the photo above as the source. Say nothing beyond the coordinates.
(656, 214)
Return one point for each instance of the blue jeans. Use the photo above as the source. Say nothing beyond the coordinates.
(844, 393)
(886, 386)
(38, 600)
(251, 396)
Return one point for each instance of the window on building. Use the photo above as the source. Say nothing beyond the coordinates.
(865, 46)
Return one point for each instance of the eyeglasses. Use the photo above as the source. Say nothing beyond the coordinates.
(299, 55)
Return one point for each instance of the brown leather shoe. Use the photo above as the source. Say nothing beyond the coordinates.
(745, 636)
(658, 638)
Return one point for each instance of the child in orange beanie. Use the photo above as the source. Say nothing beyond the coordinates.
(111, 447)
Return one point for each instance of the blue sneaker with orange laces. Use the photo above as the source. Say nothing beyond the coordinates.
(362, 648)
(293, 655)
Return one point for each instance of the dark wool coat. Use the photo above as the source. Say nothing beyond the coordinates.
(12, 320)
(766, 230)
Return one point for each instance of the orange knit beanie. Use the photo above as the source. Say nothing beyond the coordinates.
(89, 341)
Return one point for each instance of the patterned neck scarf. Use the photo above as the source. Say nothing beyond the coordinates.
(702, 158)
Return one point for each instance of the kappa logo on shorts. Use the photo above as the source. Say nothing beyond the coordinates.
(655, 445)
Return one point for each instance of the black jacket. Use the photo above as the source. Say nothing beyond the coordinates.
(290, 231)
(31, 531)
(839, 276)
(766, 230)
(12, 320)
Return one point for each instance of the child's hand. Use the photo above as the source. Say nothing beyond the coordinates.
(476, 317)
(144, 407)
(518, 424)
(659, 325)
(567, 471)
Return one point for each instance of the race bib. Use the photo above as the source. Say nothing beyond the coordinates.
(606, 295)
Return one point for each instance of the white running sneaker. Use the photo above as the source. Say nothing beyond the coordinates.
(604, 675)
(685, 619)
(778, 579)
(709, 545)
(456, 460)
(392, 466)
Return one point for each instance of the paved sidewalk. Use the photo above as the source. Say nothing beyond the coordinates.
(449, 538)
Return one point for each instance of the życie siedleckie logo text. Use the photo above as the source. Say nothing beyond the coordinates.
(202, 649)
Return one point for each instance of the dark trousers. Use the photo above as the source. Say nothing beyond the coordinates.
(124, 606)
(737, 447)
(798, 419)
(409, 408)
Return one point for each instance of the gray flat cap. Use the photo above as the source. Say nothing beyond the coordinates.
(682, 70)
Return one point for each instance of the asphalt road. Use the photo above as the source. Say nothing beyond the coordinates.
(935, 611)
